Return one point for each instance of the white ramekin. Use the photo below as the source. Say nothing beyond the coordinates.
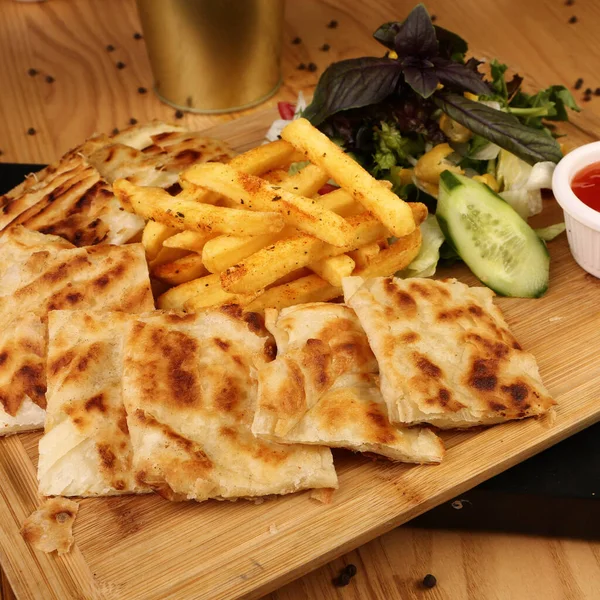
(583, 222)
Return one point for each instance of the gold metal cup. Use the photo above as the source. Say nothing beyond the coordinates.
(213, 56)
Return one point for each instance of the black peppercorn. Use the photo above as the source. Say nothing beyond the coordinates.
(301, 67)
(429, 581)
(325, 47)
(342, 580)
(132, 121)
(573, 19)
(350, 570)
(120, 65)
(31, 131)
(32, 72)
(332, 24)
(569, 2)
(588, 91)
(137, 36)
(597, 91)
(179, 114)
(296, 40)
(587, 98)
(433, 18)
(110, 48)
(50, 79)
(142, 90)
(312, 67)
(578, 84)
(115, 131)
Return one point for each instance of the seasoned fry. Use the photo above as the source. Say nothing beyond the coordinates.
(395, 258)
(292, 276)
(181, 270)
(155, 203)
(341, 203)
(275, 176)
(256, 194)
(272, 262)
(334, 268)
(223, 252)
(187, 240)
(392, 211)
(306, 289)
(261, 159)
(153, 237)
(212, 294)
(167, 255)
(364, 255)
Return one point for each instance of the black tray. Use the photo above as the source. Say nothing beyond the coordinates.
(553, 493)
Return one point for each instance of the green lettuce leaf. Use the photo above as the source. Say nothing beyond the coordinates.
(425, 263)
(549, 233)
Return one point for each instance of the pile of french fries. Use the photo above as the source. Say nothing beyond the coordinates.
(249, 233)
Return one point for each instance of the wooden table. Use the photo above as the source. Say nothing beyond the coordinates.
(66, 40)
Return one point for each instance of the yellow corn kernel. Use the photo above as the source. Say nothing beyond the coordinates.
(432, 163)
(392, 54)
(440, 86)
(489, 180)
(454, 131)
(470, 96)
(405, 176)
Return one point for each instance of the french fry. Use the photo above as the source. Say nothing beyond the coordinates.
(167, 255)
(223, 252)
(334, 268)
(156, 204)
(364, 255)
(292, 276)
(256, 194)
(265, 266)
(153, 237)
(342, 203)
(392, 211)
(181, 270)
(395, 258)
(275, 176)
(193, 241)
(306, 289)
(212, 294)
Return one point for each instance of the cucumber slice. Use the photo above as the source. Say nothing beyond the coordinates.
(488, 234)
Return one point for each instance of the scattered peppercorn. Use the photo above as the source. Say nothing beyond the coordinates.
(312, 67)
(429, 581)
(31, 131)
(179, 114)
(350, 569)
(433, 18)
(573, 19)
(301, 67)
(132, 121)
(1, 153)
(325, 47)
(115, 131)
(578, 84)
(332, 24)
(586, 98)
(120, 65)
(597, 91)
(142, 90)
(588, 91)
(32, 72)
(50, 79)
(296, 40)
(137, 36)
(569, 2)
(342, 580)
(110, 48)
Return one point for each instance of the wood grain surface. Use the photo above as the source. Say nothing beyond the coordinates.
(67, 40)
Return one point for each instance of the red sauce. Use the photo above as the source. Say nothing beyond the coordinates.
(586, 185)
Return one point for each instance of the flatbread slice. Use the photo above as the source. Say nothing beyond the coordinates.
(323, 388)
(446, 356)
(37, 278)
(189, 388)
(85, 449)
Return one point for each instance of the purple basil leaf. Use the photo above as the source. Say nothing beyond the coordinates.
(503, 129)
(416, 36)
(422, 80)
(450, 43)
(454, 74)
(386, 34)
(351, 84)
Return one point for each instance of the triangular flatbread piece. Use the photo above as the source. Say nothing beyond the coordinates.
(189, 389)
(85, 449)
(446, 356)
(323, 388)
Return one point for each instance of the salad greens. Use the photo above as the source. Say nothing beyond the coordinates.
(386, 111)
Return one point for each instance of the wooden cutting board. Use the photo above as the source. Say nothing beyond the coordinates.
(145, 548)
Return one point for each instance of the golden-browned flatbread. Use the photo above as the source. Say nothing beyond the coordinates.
(50, 527)
(47, 277)
(445, 353)
(72, 200)
(139, 136)
(323, 388)
(85, 449)
(189, 389)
